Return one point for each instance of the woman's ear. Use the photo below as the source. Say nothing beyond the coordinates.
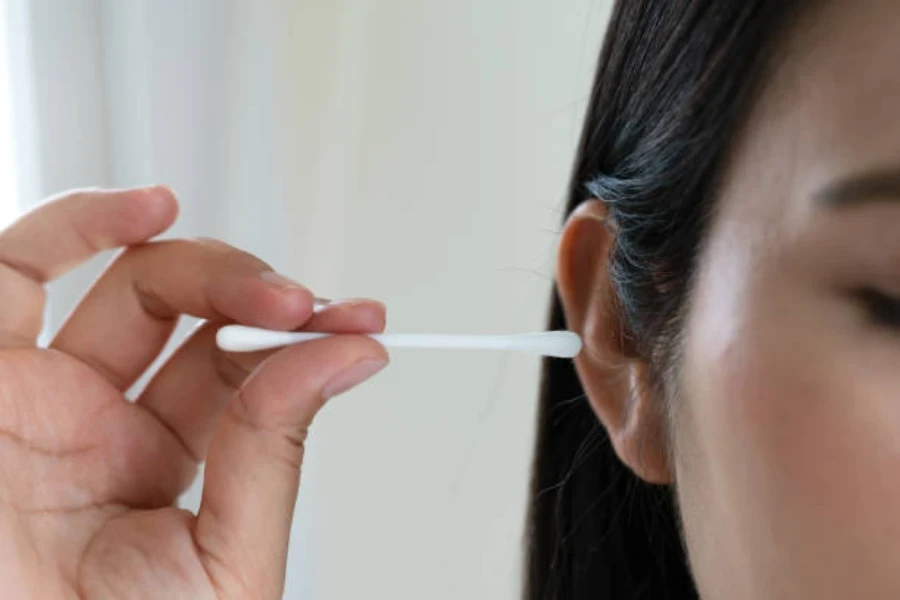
(615, 379)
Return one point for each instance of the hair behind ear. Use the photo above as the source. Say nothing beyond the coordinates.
(595, 529)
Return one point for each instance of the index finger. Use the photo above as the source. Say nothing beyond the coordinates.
(125, 320)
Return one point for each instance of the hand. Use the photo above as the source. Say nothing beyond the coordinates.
(87, 478)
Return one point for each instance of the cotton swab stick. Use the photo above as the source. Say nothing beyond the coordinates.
(560, 344)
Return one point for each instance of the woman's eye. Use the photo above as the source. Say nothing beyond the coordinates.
(881, 308)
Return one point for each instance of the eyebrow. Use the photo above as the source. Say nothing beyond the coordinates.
(866, 188)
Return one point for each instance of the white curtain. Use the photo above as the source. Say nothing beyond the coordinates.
(208, 96)
(411, 151)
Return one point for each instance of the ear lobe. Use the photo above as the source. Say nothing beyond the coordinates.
(616, 381)
(642, 441)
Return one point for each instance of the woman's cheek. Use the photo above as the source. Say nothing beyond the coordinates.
(788, 454)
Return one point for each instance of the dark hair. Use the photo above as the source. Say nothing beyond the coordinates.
(674, 82)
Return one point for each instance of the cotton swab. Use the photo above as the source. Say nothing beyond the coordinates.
(559, 344)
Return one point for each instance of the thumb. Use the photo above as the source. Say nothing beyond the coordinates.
(253, 466)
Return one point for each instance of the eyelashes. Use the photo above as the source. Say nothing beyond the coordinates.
(881, 309)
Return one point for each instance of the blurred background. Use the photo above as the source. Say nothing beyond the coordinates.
(412, 151)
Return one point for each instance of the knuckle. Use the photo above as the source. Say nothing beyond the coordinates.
(286, 443)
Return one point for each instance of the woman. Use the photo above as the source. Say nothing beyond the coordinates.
(731, 260)
(729, 241)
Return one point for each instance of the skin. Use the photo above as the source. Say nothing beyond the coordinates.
(784, 411)
(783, 417)
(88, 480)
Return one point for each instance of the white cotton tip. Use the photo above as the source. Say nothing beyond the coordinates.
(559, 344)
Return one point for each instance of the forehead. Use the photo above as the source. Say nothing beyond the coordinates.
(829, 108)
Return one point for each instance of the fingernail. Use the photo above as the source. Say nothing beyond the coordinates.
(352, 377)
(320, 304)
(323, 305)
(280, 281)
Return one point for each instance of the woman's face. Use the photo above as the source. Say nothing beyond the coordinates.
(787, 422)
